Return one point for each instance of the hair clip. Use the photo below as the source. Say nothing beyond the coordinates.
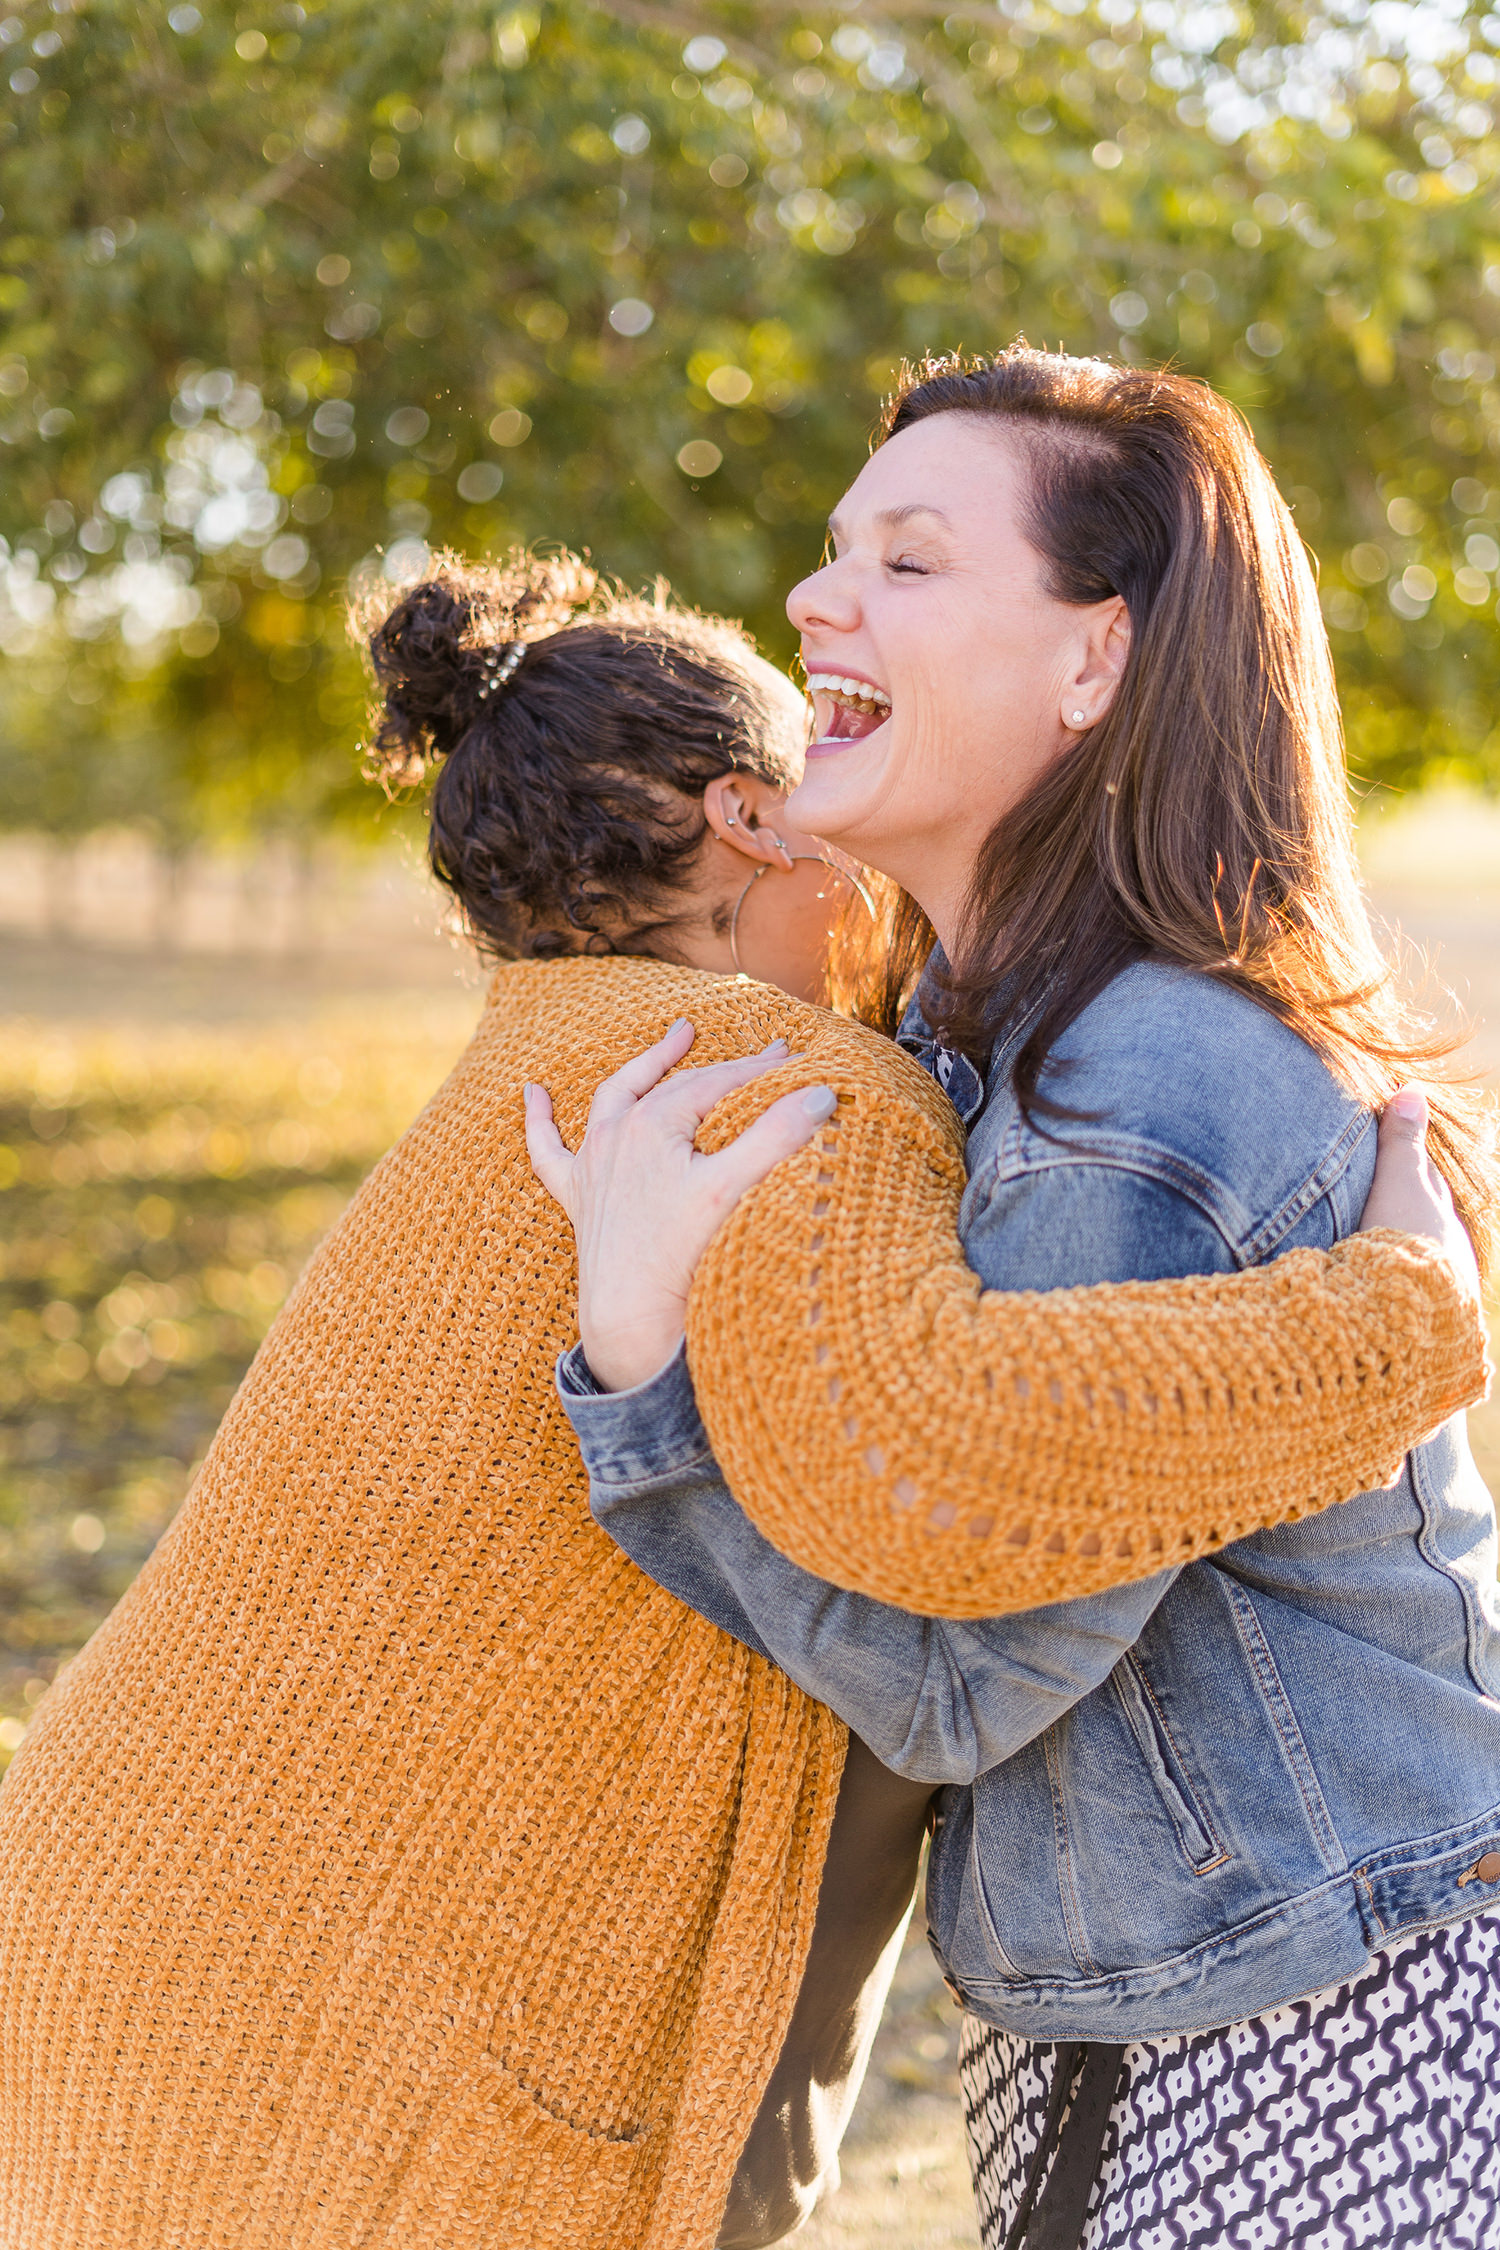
(499, 664)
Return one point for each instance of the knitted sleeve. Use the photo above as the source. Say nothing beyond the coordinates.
(903, 1433)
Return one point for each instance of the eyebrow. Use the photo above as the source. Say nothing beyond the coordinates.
(895, 516)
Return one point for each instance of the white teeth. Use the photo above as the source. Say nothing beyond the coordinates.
(858, 692)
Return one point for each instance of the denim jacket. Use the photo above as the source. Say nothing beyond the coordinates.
(1187, 1800)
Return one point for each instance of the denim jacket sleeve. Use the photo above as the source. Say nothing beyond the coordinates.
(936, 1699)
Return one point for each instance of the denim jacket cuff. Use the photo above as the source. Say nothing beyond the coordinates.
(625, 1436)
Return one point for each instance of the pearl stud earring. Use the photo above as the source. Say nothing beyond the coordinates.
(1078, 718)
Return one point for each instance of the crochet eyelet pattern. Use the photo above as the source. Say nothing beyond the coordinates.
(897, 1430)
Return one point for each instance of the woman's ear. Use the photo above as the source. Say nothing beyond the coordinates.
(1102, 660)
(742, 813)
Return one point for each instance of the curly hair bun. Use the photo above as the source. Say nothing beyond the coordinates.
(434, 652)
(574, 727)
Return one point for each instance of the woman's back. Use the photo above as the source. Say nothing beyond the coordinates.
(397, 1864)
(395, 1834)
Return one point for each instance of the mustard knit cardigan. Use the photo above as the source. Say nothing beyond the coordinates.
(397, 1868)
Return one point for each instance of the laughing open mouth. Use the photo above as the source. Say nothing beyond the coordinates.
(845, 710)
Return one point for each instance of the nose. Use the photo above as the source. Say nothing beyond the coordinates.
(826, 598)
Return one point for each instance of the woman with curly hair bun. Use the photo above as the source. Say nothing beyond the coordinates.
(399, 1867)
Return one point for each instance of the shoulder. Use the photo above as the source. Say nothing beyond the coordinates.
(595, 1003)
(1210, 1040)
(1185, 1081)
(586, 1015)
(893, 1121)
(570, 1023)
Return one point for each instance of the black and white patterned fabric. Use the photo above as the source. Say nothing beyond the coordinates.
(1364, 2117)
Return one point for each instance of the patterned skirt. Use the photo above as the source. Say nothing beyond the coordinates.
(1364, 2117)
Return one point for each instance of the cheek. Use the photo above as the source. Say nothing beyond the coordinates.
(960, 759)
(992, 713)
(939, 745)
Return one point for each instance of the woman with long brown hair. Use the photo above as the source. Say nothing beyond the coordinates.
(1214, 1851)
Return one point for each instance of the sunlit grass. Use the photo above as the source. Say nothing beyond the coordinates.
(158, 1196)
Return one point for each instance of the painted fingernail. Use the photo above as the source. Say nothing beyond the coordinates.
(820, 1101)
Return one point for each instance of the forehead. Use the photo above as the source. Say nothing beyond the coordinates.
(965, 466)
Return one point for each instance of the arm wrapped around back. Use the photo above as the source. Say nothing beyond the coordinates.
(897, 1430)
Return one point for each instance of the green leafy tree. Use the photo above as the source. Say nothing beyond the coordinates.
(289, 294)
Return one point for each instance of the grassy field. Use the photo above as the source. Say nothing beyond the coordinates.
(177, 1133)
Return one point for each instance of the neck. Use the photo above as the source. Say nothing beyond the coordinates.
(697, 946)
(946, 921)
(941, 894)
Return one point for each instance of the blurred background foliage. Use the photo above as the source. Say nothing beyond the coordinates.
(289, 293)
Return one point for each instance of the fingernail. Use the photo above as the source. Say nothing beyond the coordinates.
(527, 1091)
(1408, 1103)
(679, 1025)
(820, 1101)
(775, 1047)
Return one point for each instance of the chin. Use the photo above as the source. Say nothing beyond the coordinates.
(825, 812)
(834, 798)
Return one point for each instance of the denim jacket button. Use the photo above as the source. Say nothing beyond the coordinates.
(1485, 1870)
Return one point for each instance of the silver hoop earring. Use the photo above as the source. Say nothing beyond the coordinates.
(817, 860)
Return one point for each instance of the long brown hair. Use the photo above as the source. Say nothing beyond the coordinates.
(1205, 820)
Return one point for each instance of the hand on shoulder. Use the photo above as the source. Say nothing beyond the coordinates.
(1409, 1194)
(644, 1201)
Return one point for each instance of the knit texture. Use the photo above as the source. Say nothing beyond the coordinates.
(397, 1868)
(896, 1429)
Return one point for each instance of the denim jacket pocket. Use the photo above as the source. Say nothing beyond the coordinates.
(958, 1907)
(1200, 1846)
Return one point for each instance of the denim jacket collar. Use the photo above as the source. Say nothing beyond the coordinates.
(960, 1079)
